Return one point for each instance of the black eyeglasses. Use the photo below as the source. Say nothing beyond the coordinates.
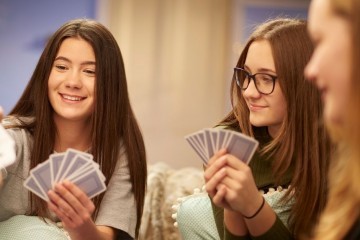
(264, 83)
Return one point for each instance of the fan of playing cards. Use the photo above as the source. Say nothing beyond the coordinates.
(208, 141)
(75, 166)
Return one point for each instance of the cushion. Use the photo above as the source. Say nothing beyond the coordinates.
(195, 220)
(22, 227)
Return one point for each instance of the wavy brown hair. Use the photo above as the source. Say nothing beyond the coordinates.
(302, 144)
(342, 210)
(113, 120)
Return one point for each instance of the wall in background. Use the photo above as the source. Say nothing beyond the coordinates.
(178, 56)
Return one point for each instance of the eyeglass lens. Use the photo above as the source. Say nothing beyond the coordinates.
(264, 83)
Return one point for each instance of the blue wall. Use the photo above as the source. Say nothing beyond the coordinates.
(254, 15)
(24, 27)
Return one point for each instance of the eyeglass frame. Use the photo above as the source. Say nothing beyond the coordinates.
(252, 77)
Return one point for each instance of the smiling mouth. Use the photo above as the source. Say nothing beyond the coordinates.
(72, 98)
(255, 108)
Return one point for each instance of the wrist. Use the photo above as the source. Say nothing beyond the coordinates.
(258, 210)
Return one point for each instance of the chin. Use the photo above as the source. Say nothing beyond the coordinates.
(258, 123)
(74, 116)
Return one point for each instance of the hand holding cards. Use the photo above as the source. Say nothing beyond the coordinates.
(7, 149)
(75, 166)
(210, 140)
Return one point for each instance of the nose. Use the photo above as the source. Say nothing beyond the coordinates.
(310, 70)
(73, 80)
(251, 91)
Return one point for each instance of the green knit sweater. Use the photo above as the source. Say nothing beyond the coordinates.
(261, 167)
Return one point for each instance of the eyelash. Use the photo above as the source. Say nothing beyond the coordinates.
(89, 71)
(63, 68)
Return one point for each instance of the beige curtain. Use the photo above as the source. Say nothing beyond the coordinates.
(176, 55)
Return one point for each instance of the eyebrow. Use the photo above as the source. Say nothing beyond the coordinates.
(68, 60)
(266, 70)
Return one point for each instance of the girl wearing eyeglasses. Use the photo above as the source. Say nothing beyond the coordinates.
(273, 103)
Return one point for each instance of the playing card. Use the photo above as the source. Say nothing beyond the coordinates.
(221, 139)
(214, 138)
(200, 137)
(227, 136)
(197, 148)
(209, 143)
(42, 176)
(55, 164)
(242, 146)
(91, 183)
(7, 148)
(31, 185)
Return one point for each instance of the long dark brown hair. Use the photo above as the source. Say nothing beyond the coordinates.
(113, 120)
(302, 143)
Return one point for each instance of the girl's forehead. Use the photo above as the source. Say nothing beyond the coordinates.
(259, 57)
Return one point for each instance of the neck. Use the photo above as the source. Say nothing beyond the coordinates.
(72, 134)
(273, 130)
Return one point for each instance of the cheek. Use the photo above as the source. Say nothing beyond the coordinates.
(50, 84)
(91, 87)
(281, 110)
(53, 80)
(337, 79)
(336, 61)
(339, 92)
(280, 106)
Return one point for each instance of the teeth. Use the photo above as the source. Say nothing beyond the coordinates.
(72, 98)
